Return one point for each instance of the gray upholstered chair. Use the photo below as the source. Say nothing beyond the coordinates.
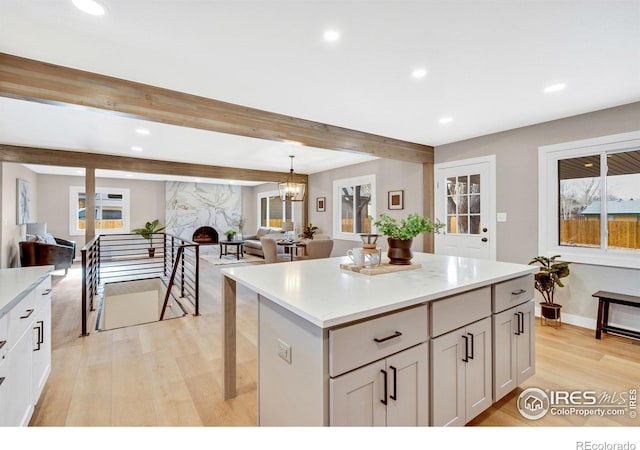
(317, 248)
(270, 251)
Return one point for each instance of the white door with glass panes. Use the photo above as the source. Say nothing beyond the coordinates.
(465, 202)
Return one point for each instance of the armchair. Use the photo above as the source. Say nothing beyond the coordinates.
(58, 253)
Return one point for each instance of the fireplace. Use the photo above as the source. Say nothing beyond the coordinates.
(205, 235)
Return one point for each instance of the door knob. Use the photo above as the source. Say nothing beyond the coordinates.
(484, 239)
(484, 230)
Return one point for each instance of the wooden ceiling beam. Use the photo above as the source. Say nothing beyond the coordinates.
(39, 81)
(43, 156)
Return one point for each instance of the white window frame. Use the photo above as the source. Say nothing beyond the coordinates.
(337, 211)
(548, 208)
(268, 194)
(73, 210)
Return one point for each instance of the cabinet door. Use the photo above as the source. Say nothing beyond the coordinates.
(407, 387)
(447, 380)
(478, 371)
(18, 408)
(526, 343)
(505, 371)
(41, 350)
(355, 398)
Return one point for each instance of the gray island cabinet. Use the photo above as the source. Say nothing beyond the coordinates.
(410, 348)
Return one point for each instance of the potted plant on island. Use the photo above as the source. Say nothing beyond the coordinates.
(147, 232)
(400, 234)
(546, 281)
(230, 234)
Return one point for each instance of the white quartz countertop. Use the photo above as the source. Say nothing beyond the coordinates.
(324, 294)
(15, 283)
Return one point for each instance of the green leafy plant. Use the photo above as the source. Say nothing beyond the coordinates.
(549, 275)
(407, 228)
(230, 234)
(148, 230)
(309, 231)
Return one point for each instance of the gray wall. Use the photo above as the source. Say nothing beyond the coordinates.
(10, 232)
(517, 194)
(147, 202)
(390, 176)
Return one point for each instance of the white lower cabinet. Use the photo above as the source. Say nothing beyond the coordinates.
(389, 392)
(461, 365)
(25, 359)
(513, 348)
(16, 406)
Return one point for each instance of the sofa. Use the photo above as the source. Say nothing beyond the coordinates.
(252, 244)
(47, 251)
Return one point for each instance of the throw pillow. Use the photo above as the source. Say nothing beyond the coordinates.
(49, 239)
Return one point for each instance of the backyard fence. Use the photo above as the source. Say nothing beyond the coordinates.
(587, 233)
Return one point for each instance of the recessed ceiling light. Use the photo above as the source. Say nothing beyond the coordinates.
(143, 131)
(197, 180)
(129, 175)
(79, 171)
(135, 148)
(419, 73)
(90, 7)
(331, 35)
(446, 120)
(588, 165)
(555, 87)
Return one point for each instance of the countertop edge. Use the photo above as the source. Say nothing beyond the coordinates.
(18, 298)
(400, 304)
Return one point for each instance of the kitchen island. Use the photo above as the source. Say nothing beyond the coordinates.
(337, 347)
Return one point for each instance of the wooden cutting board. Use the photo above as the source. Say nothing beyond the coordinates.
(384, 267)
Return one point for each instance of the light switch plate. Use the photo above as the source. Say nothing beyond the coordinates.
(284, 351)
(501, 217)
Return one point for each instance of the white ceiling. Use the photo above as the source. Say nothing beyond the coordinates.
(487, 61)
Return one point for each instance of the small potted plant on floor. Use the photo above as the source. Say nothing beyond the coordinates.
(230, 234)
(148, 231)
(400, 234)
(546, 281)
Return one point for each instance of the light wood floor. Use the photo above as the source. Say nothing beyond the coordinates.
(168, 373)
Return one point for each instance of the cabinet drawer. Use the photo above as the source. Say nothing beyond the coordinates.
(42, 294)
(512, 293)
(356, 345)
(21, 317)
(454, 312)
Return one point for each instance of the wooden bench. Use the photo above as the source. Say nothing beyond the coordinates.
(606, 298)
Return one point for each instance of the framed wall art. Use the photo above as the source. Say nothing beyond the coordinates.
(396, 200)
(321, 204)
(23, 201)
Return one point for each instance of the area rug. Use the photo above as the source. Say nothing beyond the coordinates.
(214, 258)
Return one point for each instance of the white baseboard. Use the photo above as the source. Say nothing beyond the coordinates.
(572, 319)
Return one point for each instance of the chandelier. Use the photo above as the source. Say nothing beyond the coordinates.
(291, 190)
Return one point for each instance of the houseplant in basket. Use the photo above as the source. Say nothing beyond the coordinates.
(400, 234)
(147, 232)
(546, 280)
(230, 234)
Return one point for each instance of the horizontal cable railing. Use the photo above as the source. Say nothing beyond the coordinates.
(128, 257)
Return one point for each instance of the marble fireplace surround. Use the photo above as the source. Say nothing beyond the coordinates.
(190, 206)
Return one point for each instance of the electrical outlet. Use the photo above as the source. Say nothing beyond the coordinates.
(284, 351)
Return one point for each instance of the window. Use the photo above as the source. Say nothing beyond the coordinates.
(111, 211)
(272, 210)
(354, 201)
(590, 200)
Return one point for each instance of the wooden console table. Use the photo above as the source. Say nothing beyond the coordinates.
(606, 298)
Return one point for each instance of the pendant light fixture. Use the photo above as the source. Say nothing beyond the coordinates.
(291, 190)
